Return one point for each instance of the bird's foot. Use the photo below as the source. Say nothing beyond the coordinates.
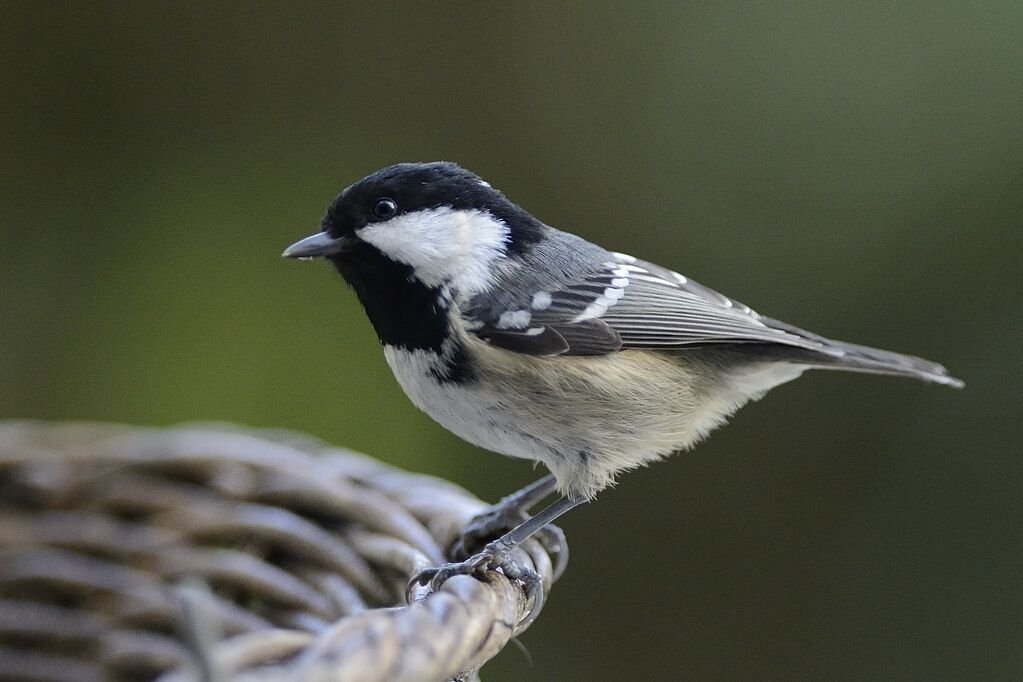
(492, 557)
(499, 520)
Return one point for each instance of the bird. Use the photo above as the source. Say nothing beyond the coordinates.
(535, 343)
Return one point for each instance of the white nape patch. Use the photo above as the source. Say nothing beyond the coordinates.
(514, 319)
(541, 300)
(623, 257)
(443, 245)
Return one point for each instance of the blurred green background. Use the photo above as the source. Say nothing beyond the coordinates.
(857, 170)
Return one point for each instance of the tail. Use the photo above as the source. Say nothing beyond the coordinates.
(854, 358)
(851, 357)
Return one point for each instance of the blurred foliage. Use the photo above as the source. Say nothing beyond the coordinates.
(854, 168)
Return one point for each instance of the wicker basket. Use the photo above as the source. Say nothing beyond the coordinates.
(216, 553)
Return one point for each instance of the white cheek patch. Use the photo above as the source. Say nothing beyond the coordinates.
(443, 245)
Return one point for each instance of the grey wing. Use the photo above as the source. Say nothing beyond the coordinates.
(627, 303)
(702, 316)
(659, 308)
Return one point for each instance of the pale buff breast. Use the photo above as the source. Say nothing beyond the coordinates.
(585, 417)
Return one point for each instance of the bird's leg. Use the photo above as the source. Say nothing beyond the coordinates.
(496, 554)
(522, 532)
(531, 494)
(508, 513)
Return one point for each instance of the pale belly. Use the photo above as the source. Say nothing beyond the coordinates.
(585, 418)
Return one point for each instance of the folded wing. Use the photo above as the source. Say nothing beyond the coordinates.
(628, 303)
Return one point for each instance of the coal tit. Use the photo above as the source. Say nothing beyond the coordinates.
(535, 343)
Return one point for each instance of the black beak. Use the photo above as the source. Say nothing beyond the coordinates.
(315, 245)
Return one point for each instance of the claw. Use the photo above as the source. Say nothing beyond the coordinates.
(552, 539)
(532, 584)
(490, 558)
(509, 523)
(438, 575)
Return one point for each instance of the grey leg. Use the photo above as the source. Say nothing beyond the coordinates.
(525, 530)
(509, 513)
(531, 494)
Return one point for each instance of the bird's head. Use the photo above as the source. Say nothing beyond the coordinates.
(439, 223)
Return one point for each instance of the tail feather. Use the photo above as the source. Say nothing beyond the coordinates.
(852, 357)
(855, 358)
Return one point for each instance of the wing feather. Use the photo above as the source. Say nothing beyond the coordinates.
(629, 303)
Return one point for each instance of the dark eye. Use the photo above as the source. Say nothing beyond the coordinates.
(384, 209)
